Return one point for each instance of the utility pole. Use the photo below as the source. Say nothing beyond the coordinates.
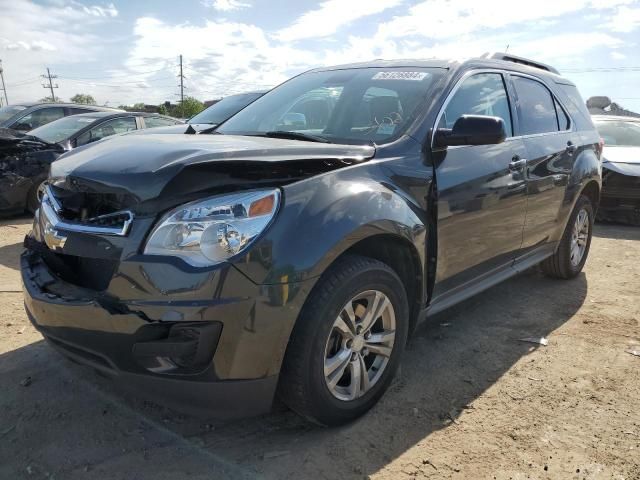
(181, 89)
(50, 86)
(4, 88)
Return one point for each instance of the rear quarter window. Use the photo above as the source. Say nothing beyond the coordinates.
(572, 100)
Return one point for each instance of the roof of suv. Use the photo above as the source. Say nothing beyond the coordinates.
(488, 60)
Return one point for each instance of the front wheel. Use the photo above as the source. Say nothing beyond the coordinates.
(347, 343)
(573, 250)
(33, 200)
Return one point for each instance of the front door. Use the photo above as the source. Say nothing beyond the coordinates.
(481, 193)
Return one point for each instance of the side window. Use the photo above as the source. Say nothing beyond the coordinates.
(151, 122)
(563, 120)
(537, 112)
(480, 94)
(42, 117)
(106, 129)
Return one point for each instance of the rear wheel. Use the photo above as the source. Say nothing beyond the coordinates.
(346, 346)
(573, 250)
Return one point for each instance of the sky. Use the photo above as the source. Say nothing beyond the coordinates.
(127, 51)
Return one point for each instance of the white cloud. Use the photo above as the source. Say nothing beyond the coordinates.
(34, 35)
(34, 45)
(618, 56)
(625, 20)
(92, 10)
(242, 57)
(331, 16)
(226, 5)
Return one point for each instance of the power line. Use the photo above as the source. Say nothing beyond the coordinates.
(25, 82)
(50, 77)
(600, 69)
(128, 75)
(134, 82)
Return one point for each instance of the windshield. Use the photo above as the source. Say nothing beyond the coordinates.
(225, 108)
(359, 105)
(63, 128)
(10, 111)
(619, 133)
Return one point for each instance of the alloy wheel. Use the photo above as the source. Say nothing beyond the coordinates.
(359, 345)
(579, 237)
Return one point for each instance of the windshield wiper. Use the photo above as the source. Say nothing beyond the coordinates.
(295, 136)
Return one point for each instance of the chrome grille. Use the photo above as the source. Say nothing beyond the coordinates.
(116, 223)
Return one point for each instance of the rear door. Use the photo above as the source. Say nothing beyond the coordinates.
(481, 193)
(546, 131)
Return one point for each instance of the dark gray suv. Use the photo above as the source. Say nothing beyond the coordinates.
(294, 249)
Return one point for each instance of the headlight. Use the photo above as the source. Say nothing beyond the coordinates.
(210, 231)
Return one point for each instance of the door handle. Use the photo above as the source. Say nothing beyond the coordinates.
(571, 148)
(517, 163)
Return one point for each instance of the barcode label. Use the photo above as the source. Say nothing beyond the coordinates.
(412, 76)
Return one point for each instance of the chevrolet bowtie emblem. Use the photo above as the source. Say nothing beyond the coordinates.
(53, 239)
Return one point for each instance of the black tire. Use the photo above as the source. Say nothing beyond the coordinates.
(302, 384)
(559, 265)
(33, 202)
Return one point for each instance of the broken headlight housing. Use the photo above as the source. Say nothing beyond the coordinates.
(210, 231)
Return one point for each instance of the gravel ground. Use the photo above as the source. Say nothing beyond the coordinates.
(472, 401)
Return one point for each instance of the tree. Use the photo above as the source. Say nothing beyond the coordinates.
(138, 107)
(188, 108)
(83, 98)
(162, 110)
(50, 100)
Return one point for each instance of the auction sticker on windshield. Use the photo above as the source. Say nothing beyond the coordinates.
(415, 76)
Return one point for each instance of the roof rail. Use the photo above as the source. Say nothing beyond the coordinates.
(523, 61)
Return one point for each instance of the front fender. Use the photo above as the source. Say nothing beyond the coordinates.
(323, 216)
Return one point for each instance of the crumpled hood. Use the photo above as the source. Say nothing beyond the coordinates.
(142, 166)
(623, 160)
(621, 154)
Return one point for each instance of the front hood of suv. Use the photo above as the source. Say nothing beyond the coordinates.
(150, 167)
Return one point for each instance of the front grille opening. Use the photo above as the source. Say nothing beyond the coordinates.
(88, 208)
(91, 273)
(621, 186)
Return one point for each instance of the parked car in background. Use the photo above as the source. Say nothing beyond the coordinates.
(27, 116)
(620, 168)
(216, 113)
(296, 247)
(25, 158)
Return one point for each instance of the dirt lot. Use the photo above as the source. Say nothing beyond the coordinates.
(472, 400)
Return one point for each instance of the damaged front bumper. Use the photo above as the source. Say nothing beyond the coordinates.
(199, 340)
(620, 197)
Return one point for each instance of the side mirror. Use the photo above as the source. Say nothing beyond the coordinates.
(472, 130)
(23, 127)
